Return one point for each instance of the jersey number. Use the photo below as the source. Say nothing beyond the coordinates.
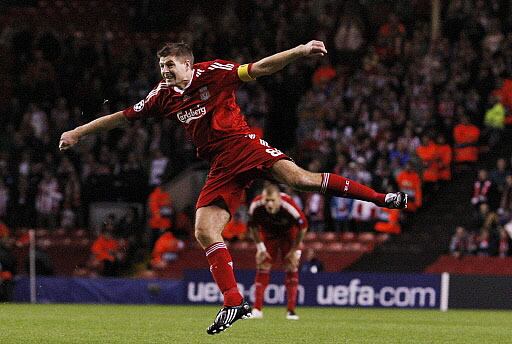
(273, 151)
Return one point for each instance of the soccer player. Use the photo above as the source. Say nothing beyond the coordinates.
(277, 226)
(202, 97)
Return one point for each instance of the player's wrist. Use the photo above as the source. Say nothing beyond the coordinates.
(260, 247)
(78, 132)
(301, 50)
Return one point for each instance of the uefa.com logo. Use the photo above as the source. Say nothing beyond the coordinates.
(352, 294)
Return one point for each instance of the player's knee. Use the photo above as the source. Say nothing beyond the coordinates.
(203, 234)
(288, 267)
(263, 266)
(301, 181)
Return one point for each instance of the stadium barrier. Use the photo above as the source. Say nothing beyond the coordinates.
(480, 292)
(428, 291)
(328, 289)
(100, 290)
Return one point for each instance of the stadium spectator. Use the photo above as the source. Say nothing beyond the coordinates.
(483, 244)
(494, 121)
(235, 229)
(48, 201)
(466, 137)
(106, 251)
(4, 198)
(363, 216)
(401, 155)
(4, 230)
(311, 264)
(67, 217)
(314, 204)
(314, 210)
(504, 244)
(484, 191)
(159, 161)
(7, 270)
(184, 225)
(340, 213)
(349, 37)
(499, 174)
(484, 218)
(445, 159)
(166, 250)
(409, 181)
(161, 213)
(505, 209)
(429, 154)
(131, 229)
(388, 221)
(459, 243)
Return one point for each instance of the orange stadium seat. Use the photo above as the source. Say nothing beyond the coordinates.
(348, 236)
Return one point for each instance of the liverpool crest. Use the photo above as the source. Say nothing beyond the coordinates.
(204, 93)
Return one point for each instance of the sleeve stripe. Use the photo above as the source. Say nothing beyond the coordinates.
(254, 205)
(221, 65)
(291, 209)
(217, 65)
(154, 92)
(243, 73)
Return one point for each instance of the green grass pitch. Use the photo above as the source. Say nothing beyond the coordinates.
(23, 323)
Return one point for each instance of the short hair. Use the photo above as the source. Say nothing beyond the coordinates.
(180, 49)
(270, 188)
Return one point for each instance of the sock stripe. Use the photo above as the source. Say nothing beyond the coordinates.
(214, 247)
(325, 182)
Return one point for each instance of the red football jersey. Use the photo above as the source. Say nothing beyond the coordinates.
(207, 106)
(278, 224)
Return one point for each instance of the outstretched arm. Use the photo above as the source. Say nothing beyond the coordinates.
(70, 138)
(271, 64)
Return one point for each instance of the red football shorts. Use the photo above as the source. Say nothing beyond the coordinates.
(243, 159)
(279, 246)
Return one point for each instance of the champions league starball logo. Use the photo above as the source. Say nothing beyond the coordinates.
(139, 106)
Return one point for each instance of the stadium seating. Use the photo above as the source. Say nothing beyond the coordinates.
(472, 265)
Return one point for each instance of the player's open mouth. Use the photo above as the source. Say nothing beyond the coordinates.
(169, 77)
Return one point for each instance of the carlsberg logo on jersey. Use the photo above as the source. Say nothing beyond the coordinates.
(190, 114)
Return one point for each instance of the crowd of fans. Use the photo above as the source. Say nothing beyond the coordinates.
(490, 230)
(388, 106)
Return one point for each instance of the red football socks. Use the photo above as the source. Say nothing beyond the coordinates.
(291, 283)
(221, 267)
(342, 187)
(261, 283)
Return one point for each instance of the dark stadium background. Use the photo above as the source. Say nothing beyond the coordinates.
(361, 112)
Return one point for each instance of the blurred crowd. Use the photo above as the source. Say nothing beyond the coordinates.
(389, 106)
(489, 232)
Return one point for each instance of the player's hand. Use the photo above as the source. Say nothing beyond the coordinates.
(68, 139)
(261, 256)
(293, 258)
(314, 48)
